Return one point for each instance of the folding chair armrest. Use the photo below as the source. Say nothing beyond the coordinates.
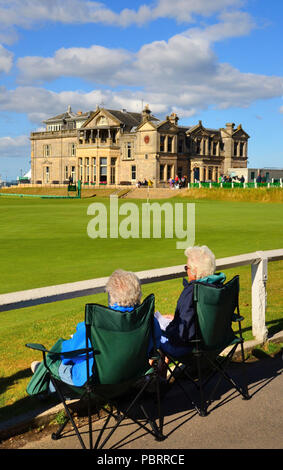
(37, 347)
(40, 347)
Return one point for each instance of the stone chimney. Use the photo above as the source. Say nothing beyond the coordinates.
(230, 127)
(174, 118)
(146, 113)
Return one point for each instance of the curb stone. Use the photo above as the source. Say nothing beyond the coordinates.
(44, 415)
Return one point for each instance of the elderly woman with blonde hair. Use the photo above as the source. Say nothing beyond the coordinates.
(124, 290)
(200, 267)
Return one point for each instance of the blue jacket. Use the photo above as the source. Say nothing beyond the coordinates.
(78, 363)
(182, 328)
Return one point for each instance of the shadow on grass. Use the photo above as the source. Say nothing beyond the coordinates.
(273, 326)
(7, 382)
(25, 405)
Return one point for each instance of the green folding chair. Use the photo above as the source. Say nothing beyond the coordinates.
(120, 343)
(216, 307)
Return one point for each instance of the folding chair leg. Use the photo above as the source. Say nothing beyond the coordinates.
(243, 391)
(56, 435)
(157, 432)
(68, 414)
(203, 407)
(89, 417)
(246, 394)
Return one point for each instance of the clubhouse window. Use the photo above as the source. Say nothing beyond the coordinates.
(73, 173)
(94, 170)
(198, 146)
(47, 150)
(80, 169)
(129, 150)
(87, 170)
(162, 172)
(73, 150)
(103, 170)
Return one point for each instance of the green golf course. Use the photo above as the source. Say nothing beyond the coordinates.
(44, 242)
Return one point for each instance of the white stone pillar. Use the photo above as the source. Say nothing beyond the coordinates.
(165, 172)
(259, 298)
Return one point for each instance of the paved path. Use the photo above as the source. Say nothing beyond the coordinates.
(232, 424)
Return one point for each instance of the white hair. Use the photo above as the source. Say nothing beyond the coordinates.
(124, 288)
(201, 261)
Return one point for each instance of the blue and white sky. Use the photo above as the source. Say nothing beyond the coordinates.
(212, 60)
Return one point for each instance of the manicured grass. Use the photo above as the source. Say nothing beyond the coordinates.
(45, 242)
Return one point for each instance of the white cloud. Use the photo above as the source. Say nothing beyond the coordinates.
(231, 24)
(184, 10)
(185, 57)
(227, 88)
(96, 63)
(27, 13)
(6, 60)
(14, 146)
(183, 72)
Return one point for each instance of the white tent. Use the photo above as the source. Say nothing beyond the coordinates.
(28, 174)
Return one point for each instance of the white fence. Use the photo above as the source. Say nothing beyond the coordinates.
(259, 270)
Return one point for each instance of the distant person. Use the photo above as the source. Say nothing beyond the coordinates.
(242, 179)
(259, 178)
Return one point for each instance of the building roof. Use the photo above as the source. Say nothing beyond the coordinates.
(130, 119)
(68, 115)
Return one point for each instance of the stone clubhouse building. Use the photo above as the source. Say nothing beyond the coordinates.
(117, 147)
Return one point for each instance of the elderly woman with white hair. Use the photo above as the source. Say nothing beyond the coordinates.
(200, 267)
(124, 294)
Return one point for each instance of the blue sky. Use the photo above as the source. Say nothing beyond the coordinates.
(217, 61)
